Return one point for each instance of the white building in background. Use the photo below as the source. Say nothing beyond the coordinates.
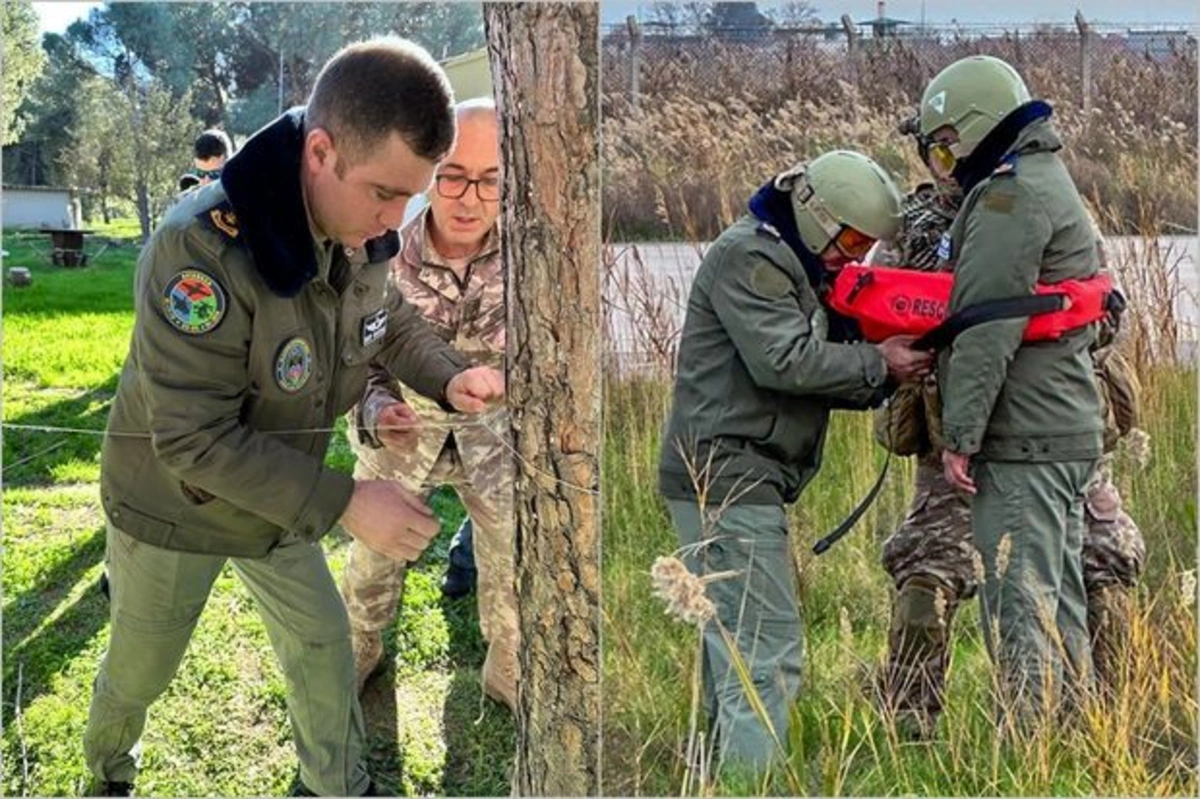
(39, 207)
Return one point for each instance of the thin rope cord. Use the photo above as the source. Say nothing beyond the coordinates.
(482, 423)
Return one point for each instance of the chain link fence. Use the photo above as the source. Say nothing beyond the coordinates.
(773, 65)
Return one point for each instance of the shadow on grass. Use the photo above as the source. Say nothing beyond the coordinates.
(481, 733)
(384, 759)
(31, 456)
(37, 650)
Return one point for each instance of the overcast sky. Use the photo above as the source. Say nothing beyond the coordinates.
(55, 17)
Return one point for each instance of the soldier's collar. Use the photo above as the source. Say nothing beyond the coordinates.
(262, 182)
(973, 169)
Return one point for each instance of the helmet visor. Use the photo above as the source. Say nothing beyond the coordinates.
(852, 243)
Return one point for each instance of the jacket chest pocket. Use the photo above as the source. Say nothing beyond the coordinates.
(365, 320)
(484, 323)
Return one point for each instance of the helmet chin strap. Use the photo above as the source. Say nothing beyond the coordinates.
(796, 183)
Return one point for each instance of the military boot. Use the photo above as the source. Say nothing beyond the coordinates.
(461, 575)
(368, 654)
(1108, 617)
(111, 788)
(913, 682)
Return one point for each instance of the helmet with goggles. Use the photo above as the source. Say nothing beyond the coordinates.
(972, 96)
(842, 198)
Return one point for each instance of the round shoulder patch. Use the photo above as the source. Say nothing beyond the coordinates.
(193, 302)
(293, 364)
(769, 281)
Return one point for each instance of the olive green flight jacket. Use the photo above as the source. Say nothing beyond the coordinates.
(241, 363)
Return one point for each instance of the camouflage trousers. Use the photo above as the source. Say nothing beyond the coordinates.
(372, 583)
(934, 565)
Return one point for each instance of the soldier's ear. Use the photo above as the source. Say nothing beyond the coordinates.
(318, 149)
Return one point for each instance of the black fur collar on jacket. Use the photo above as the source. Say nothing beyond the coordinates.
(262, 182)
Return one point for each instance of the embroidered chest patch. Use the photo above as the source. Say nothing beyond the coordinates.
(374, 327)
(193, 302)
(293, 365)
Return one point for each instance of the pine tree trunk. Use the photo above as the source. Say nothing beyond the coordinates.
(544, 60)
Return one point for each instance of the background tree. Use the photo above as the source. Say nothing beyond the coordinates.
(51, 109)
(234, 65)
(23, 62)
(794, 15)
(737, 20)
(683, 18)
(545, 65)
(99, 154)
(160, 132)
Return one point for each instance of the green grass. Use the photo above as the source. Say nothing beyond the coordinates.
(840, 744)
(221, 728)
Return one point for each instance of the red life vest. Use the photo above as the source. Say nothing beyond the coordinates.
(888, 302)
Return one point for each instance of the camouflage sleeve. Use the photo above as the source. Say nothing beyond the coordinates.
(194, 385)
(783, 349)
(382, 391)
(1000, 256)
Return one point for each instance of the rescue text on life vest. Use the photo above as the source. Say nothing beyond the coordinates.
(888, 302)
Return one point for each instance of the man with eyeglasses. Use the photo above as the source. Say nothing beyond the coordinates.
(761, 366)
(450, 268)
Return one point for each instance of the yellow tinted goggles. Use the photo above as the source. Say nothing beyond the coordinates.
(854, 244)
(942, 159)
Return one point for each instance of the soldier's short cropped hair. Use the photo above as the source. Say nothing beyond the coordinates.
(211, 144)
(370, 90)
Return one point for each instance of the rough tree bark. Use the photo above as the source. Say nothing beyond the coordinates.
(544, 59)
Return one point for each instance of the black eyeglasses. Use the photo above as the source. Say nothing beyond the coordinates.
(453, 187)
(211, 174)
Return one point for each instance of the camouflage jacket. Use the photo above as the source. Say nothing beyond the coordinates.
(470, 315)
(927, 213)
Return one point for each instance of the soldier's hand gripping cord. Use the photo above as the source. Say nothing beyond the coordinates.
(389, 520)
(471, 390)
(397, 427)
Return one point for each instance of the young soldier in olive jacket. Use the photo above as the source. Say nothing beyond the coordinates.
(260, 302)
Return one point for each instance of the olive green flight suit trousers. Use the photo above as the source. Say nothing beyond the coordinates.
(157, 597)
(1027, 520)
(759, 606)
